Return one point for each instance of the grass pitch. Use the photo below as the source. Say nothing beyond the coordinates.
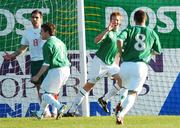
(93, 122)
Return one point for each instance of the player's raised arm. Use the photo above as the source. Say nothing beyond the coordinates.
(103, 34)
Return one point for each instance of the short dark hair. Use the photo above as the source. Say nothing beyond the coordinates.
(140, 16)
(36, 11)
(115, 14)
(50, 28)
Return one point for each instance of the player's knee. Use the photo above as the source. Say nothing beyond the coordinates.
(46, 96)
(94, 80)
(88, 86)
(118, 80)
(116, 76)
(132, 92)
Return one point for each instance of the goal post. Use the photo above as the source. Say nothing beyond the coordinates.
(82, 50)
(78, 22)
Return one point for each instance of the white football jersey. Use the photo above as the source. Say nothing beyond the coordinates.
(32, 38)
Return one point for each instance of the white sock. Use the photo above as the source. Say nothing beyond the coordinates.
(43, 106)
(47, 111)
(78, 100)
(127, 105)
(111, 92)
(123, 94)
(54, 110)
(49, 98)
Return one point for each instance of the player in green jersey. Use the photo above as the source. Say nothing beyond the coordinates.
(103, 63)
(57, 64)
(32, 39)
(138, 44)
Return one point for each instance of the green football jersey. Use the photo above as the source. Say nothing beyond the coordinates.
(55, 53)
(138, 43)
(108, 48)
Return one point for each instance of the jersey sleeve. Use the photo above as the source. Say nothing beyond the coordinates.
(103, 38)
(157, 45)
(123, 35)
(24, 40)
(47, 54)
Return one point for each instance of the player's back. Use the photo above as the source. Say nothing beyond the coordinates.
(139, 43)
(57, 51)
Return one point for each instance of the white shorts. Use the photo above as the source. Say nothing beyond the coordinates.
(54, 80)
(133, 75)
(98, 70)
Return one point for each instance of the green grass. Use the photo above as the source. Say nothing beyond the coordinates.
(93, 122)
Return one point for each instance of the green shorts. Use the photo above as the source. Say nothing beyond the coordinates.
(35, 67)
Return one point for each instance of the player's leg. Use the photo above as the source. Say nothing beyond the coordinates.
(49, 98)
(126, 106)
(116, 87)
(35, 67)
(136, 74)
(123, 92)
(51, 85)
(95, 74)
(79, 98)
(39, 114)
(54, 109)
(113, 71)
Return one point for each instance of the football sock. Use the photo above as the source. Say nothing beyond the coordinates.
(78, 100)
(49, 98)
(43, 106)
(47, 111)
(54, 109)
(123, 94)
(127, 104)
(111, 92)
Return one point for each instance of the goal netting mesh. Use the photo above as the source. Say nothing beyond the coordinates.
(17, 95)
(161, 92)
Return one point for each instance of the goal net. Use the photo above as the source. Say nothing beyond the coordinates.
(17, 94)
(160, 94)
(161, 91)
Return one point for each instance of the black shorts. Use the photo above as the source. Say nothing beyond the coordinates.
(35, 67)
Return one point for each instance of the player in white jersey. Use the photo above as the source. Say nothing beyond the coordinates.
(32, 39)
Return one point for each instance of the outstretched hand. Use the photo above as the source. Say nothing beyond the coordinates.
(7, 56)
(34, 79)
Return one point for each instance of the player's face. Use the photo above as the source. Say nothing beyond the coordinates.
(116, 20)
(43, 34)
(36, 20)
